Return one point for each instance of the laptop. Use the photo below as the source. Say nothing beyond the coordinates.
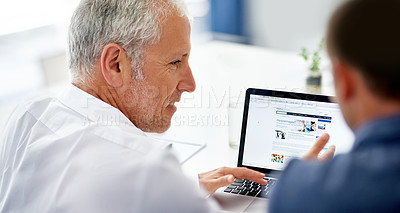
(278, 126)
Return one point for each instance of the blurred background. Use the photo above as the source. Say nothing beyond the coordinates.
(236, 44)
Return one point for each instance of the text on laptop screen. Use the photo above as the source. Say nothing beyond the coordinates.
(279, 129)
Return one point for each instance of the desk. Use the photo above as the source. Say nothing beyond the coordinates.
(222, 70)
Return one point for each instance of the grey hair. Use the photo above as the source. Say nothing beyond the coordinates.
(132, 24)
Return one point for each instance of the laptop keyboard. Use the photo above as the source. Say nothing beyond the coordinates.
(250, 188)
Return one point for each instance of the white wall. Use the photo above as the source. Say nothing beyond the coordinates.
(288, 24)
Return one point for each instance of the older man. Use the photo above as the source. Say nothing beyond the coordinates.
(86, 150)
(363, 42)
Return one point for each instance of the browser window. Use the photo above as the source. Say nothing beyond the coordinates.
(280, 129)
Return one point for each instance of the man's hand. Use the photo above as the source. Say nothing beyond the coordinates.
(224, 176)
(317, 147)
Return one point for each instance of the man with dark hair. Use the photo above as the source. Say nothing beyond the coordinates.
(364, 46)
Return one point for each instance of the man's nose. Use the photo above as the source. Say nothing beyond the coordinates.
(188, 83)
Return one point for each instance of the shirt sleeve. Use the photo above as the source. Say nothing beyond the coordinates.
(295, 187)
(314, 186)
(166, 189)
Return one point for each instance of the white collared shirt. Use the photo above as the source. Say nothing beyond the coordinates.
(75, 153)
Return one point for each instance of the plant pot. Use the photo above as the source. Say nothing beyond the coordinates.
(313, 83)
(314, 79)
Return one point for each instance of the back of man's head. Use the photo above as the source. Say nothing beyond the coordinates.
(366, 35)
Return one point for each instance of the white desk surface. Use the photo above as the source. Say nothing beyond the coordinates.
(222, 70)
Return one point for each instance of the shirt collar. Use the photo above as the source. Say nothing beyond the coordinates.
(380, 131)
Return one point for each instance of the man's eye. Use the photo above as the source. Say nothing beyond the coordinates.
(176, 62)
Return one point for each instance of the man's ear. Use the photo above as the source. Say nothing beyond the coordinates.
(344, 80)
(113, 59)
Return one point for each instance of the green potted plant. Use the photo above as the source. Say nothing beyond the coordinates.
(314, 76)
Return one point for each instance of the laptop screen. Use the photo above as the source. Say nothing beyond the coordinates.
(278, 126)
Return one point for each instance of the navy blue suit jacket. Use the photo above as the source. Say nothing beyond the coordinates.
(365, 180)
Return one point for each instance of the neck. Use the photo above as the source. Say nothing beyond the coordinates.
(103, 92)
(377, 109)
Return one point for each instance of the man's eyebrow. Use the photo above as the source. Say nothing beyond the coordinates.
(182, 54)
(175, 56)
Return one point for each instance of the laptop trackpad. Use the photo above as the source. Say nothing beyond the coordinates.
(258, 205)
(232, 202)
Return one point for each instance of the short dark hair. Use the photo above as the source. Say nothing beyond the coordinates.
(366, 34)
